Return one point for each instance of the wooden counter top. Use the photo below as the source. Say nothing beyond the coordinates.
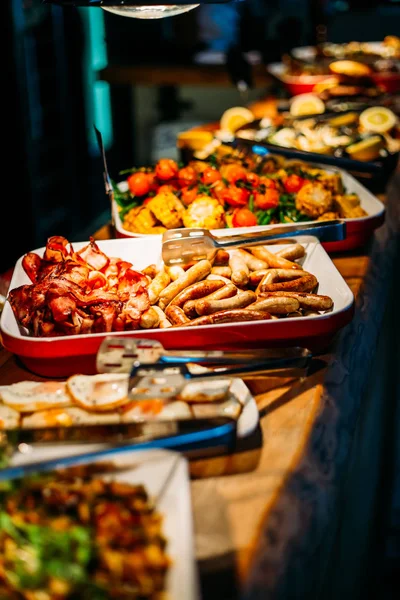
(261, 524)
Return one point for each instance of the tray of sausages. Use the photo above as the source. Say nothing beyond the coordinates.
(65, 299)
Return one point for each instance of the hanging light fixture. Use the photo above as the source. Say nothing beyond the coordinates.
(136, 9)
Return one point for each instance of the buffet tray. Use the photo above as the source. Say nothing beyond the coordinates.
(165, 475)
(65, 355)
(358, 231)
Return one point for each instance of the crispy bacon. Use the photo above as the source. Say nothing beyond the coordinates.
(78, 292)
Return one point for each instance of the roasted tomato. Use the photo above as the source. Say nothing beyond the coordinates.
(166, 169)
(235, 196)
(267, 183)
(253, 179)
(217, 190)
(139, 183)
(243, 217)
(233, 173)
(270, 199)
(168, 187)
(189, 194)
(293, 183)
(210, 176)
(187, 176)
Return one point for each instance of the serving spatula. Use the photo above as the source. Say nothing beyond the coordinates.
(187, 245)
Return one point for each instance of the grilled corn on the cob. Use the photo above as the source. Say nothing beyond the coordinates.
(167, 209)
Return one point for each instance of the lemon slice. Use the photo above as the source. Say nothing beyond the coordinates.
(196, 140)
(235, 117)
(351, 68)
(378, 119)
(306, 104)
(367, 149)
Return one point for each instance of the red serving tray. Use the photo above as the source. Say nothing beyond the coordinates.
(63, 356)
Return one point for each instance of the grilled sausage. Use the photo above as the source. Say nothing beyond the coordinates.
(272, 259)
(214, 277)
(276, 305)
(292, 252)
(224, 271)
(205, 306)
(254, 264)
(221, 258)
(176, 315)
(175, 272)
(151, 271)
(164, 323)
(240, 270)
(227, 291)
(230, 316)
(314, 302)
(159, 283)
(149, 319)
(197, 290)
(195, 273)
(305, 283)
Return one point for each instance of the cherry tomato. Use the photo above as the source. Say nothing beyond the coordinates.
(154, 184)
(147, 200)
(270, 199)
(210, 175)
(268, 183)
(243, 217)
(253, 179)
(139, 183)
(233, 173)
(235, 196)
(166, 169)
(189, 194)
(187, 176)
(293, 183)
(167, 188)
(217, 191)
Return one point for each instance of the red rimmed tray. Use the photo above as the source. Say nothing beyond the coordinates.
(65, 355)
(358, 231)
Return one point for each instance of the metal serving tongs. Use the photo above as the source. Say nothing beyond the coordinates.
(107, 179)
(183, 246)
(159, 373)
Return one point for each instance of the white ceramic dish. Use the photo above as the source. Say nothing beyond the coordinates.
(154, 469)
(64, 355)
(358, 230)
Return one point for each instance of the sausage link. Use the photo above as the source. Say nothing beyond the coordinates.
(274, 275)
(195, 273)
(230, 316)
(214, 277)
(292, 252)
(240, 271)
(197, 290)
(306, 283)
(151, 271)
(175, 272)
(176, 315)
(164, 323)
(274, 261)
(276, 305)
(159, 283)
(224, 271)
(149, 319)
(206, 306)
(314, 302)
(254, 264)
(221, 258)
(227, 291)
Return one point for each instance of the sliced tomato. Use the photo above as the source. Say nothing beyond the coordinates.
(267, 183)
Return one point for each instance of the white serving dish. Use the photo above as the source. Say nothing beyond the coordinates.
(154, 469)
(65, 355)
